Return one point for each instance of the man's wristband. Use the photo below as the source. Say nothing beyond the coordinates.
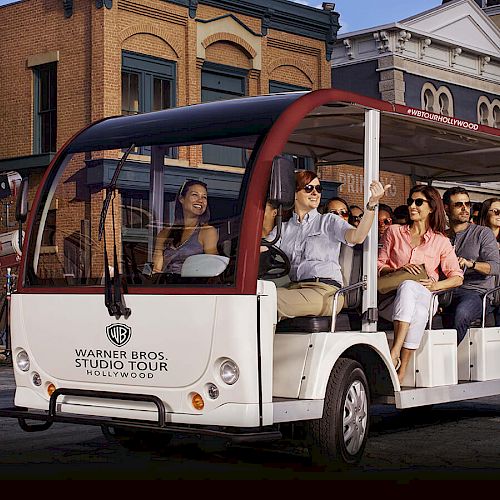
(372, 209)
(473, 265)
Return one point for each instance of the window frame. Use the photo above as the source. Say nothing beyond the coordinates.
(39, 130)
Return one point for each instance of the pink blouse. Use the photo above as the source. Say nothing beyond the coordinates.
(435, 251)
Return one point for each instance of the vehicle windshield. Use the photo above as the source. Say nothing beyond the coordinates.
(164, 234)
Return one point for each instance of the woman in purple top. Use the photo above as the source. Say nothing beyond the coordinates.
(190, 234)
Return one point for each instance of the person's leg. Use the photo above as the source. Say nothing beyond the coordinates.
(411, 312)
(306, 299)
(466, 307)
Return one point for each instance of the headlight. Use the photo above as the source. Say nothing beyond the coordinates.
(229, 372)
(23, 361)
(37, 380)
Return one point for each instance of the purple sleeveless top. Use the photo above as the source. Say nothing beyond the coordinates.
(173, 258)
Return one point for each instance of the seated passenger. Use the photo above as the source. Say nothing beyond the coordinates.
(422, 241)
(190, 234)
(338, 206)
(312, 243)
(269, 218)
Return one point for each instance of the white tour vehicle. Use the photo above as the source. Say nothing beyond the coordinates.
(98, 338)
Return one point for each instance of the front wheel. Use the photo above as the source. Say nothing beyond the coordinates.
(339, 438)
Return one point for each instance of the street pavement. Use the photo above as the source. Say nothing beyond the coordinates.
(456, 441)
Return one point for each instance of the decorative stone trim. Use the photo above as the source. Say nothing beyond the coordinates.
(382, 40)
(424, 43)
(454, 53)
(289, 61)
(438, 101)
(483, 62)
(348, 48)
(403, 37)
(151, 29)
(229, 37)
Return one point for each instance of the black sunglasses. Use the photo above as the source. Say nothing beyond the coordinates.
(460, 204)
(357, 217)
(418, 201)
(496, 211)
(386, 222)
(309, 188)
(342, 213)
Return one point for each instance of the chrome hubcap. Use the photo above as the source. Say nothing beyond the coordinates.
(355, 417)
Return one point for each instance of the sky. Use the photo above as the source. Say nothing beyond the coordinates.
(359, 14)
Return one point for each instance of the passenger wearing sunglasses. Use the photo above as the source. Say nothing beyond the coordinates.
(338, 206)
(312, 243)
(477, 252)
(490, 217)
(385, 217)
(421, 241)
(356, 215)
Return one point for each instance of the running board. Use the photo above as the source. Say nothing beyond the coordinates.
(412, 397)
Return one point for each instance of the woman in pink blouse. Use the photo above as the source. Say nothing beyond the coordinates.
(421, 241)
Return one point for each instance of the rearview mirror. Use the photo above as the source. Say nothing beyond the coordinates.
(282, 185)
(22, 201)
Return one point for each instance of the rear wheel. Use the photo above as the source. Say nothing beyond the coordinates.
(339, 438)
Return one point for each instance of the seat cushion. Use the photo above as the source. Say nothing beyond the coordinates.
(306, 324)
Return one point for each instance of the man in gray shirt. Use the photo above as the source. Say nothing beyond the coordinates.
(478, 255)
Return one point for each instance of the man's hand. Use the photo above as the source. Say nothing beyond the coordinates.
(377, 191)
(465, 262)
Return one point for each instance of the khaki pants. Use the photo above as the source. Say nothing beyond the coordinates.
(307, 299)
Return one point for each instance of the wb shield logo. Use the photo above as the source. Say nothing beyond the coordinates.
(118, 334)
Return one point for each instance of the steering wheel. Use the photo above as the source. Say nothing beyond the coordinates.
(273, 263)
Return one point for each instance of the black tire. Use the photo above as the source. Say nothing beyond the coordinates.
(339, 438)
(137, 440)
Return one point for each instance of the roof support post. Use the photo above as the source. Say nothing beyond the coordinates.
(370, 246)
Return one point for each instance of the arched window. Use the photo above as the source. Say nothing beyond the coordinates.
(437, 101)
(484, 113)
(496, 116)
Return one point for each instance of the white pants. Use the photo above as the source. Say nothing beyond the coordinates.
(411, 305)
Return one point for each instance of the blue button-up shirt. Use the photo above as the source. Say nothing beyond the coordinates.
(313, 245)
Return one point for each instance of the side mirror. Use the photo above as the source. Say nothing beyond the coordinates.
(22, 201)
(282, 185)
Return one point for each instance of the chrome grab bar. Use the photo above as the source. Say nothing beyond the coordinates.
(343, 291)
(489, 292)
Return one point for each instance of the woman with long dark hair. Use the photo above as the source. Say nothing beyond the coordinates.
(490, 216)
(421, 241)
(190, 234)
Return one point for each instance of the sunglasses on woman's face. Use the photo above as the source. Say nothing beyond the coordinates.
(309, 188)
(357, 217)
(418, 201)
(385, 222)
(496, 211)
(342, 213)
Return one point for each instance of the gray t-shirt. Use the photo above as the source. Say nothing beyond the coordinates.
(313, 245)
(477, 243)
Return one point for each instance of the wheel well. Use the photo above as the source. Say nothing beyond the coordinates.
(377, 374)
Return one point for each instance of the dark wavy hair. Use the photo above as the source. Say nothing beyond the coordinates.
(483, 219)
(437, 218)
(337, 198)
(178, 227)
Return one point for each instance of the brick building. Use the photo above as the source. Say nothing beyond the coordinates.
(67, 63)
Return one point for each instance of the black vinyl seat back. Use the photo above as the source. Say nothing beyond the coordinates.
(351, 263)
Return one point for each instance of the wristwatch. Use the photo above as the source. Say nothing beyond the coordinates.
(473, 265)
(371, 208)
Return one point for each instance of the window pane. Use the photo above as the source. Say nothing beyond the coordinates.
(161, 94)
(130, 93)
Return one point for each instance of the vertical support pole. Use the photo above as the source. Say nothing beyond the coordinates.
(156, 197)
(370, 246)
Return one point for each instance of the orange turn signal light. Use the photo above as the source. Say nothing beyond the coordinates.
(197, 401)
(50, 389)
